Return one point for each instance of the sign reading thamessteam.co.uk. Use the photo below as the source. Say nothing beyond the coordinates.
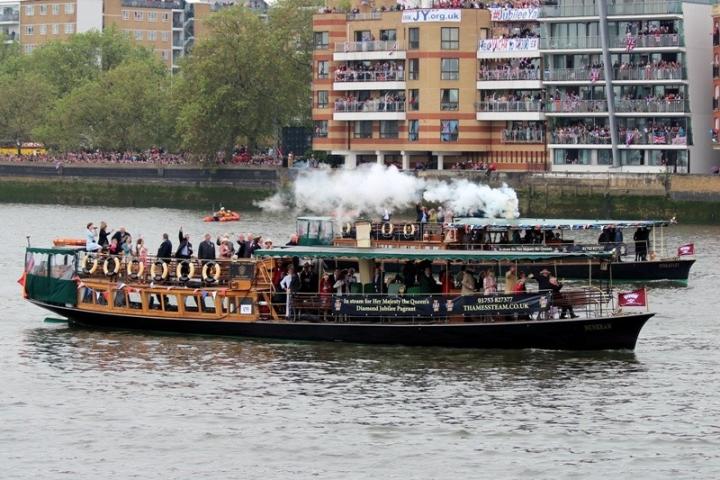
(430, 15)
(440, 305)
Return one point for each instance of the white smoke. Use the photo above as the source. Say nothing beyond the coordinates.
(372, 188)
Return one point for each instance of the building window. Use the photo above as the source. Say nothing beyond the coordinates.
(69, 8)
(323, 69)
(55, 28)
(413, 38)
(29, 48)
(449, 99)
(138, 16)
(321, 40)
(388, 129)
(449, 130)
(56, 9)
(152, 16)
(450, 38)
(363, 129)
(152, 35)
(321, 129)
(29, 29)
(450, 69)
(413, 130)
(414, 102)
(414, 69)
(388, 35)
(125, 15)
(138, 34)
(42, 9)
(165, 36)
(29, 10)
(69, 28)
(165, 17)
(42, 29)
(322, 99)
(164, 54)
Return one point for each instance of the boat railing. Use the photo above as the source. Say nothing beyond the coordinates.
(414, 307)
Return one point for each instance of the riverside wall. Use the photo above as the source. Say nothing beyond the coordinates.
(690, 198)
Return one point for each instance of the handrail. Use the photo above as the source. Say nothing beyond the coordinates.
(370, 76)
(576, 106)
(369, 106)
(509, 74)
(509, 106)
(369, 46)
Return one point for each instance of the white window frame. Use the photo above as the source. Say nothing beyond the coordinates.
(165, 36)
(42, 9)
(125, 15)
(69, 8)
(29, 10)
(69, 28)
(152, 17)
(138, 16)
(56, 29)
(152, 35)
(29, 30)
(42, 29)
(56, 9)
(138, 35)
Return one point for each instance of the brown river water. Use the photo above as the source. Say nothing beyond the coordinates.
(83, 404)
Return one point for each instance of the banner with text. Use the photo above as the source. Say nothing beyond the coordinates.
(513, 14)
(439, 305)
(431, 15)
(509, 44)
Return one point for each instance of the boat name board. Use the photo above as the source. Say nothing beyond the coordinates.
(440, 305)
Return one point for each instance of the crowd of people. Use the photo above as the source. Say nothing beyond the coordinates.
(383, 102)
(648, 70)
(443, 4)
(529, 133)
(370, 72)
(512, 101)
(510, 69)
(652, 133)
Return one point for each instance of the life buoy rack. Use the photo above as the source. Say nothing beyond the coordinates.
(116, 266)
(346, 228)
(154, 273)
(409, 230)
(387, 229)
(92, 268)
(131, 271)
(213, 277)
(179, 271)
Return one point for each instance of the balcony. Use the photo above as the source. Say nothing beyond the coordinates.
(510, 110)
(661, 139)
(509, 48)
(369, 110)
(620, 43)
(10, 17)
(509, 78)
(169, 5)
(642, 106)
(523, 136)
(619, 8)
(570, 43)
(584, 138)
(650, 74)
(573, 75)
(382, 80)
(370, 50)
(572, 107)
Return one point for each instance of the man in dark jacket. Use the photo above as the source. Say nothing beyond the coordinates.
(165, 250)
(206, 250)
(185, 249)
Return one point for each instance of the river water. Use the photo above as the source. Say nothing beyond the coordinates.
(83, 404)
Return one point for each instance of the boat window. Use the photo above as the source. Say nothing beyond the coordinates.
(62, 266)
(86, 296)
(154, 302)
(101, 298)
(37, 264)
(208, 304)
(302, 227)
(228, 305)
(170, 303)
(314, 229)
(135, 300)
(120, 298)
(326, 231)
(191, 303)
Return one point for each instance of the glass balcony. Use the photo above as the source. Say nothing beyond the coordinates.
(170, 5)
(13, 16)
(573, 74)
(522, 135)
(651, 106)
(562, 137)
(368, 106)
(509, 74)
(650, 73)
(369, 46)
(565, 43)
(576, 106)
(509, 106)
(361, 76)
(625, 42)
(588, 8)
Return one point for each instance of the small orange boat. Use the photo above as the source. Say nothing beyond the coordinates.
(223, 215)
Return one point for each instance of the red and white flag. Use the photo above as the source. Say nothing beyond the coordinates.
(687, 249)
(635, 298)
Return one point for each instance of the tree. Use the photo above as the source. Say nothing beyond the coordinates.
(23, 105)
(250, 77)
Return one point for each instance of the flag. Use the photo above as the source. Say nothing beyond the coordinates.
(629, 43)
(594, 75)
(635, 298)
(687, 249)
(629, 135)
(658, 138)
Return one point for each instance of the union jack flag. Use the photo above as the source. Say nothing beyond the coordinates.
(629, 43)
(658, 138)
(594, 75)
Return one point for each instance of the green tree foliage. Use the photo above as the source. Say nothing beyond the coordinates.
(250, 77)
(23, 105)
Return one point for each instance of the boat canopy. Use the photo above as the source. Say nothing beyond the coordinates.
(424, 254)
(55, 250)
(554, 223)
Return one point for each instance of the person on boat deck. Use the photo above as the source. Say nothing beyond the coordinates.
(444, 282)
(440, 215)
(185, 249)
(90, 244)
(641, 237)
(521, 284)
(165, 250)
(419, 212)
(248, 244)
(114, 248)
(293, 240)
(140, 251)
(340, 284)
(290, 284)
(278, 273)
(326, 288)
(121, 236)
(511, 279)
(241, 245)
(103, 239)
(618, 241)
(379, 280)
(516, 239)
(426, 282)
(268, 245)
(254, 245)
(468, 283)
(226, 248)
(489, 283)
(560, 300)
(127, 246)
(206, 249)
(308, 279)
(544, 280)
(409, 272)
(432, 216)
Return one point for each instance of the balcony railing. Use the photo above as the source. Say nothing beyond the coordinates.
(624, 42)
(577, 106)
(509, 106)
(351, 76)
(574, 74)
(523, 136)
(10, 17)
(567, 42)
(369, 106)
(369, 46)
(170, 5)
(588, 8)
(588, 138)
(509, 75)
(634, 138)
(509, 44)
(651, 106)
(650, 73)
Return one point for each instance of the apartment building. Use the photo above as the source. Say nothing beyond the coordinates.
(617, 85)
(10, 20)
(42, 21)
(413, 87)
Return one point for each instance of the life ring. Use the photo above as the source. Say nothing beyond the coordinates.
(140, 269)
(347, 228)
(93, 267)
(409, 230)
(387, 229)
(191, 271)
(116, 268)
(154, 273)
(215, 276)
